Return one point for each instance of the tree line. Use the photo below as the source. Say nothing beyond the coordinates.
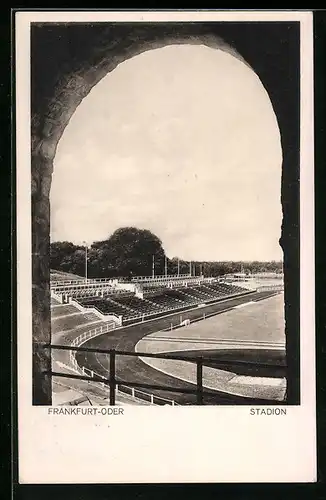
(129, 252)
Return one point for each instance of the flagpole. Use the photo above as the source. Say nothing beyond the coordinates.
(85, 261)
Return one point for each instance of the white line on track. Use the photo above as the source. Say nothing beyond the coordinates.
(245, 304)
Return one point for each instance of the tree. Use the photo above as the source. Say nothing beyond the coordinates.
(61, 251)
(129, 252)
(75, 263)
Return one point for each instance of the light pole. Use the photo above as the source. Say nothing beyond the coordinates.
(86, 248)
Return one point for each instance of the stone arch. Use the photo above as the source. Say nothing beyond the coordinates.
(51, 112)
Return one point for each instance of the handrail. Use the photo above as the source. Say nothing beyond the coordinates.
(80, 281)
(162, 277)
(76, 346)
(157, 355)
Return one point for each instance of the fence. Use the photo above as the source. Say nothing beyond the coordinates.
(80, 281)
(131, 391)
(133, 388)
(270, 288)
(116, 384)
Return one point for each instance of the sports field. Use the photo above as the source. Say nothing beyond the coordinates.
(250, 331)
(252, 321)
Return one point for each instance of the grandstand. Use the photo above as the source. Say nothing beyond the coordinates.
(137, 300)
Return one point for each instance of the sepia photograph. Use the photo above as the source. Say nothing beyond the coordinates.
(165, 219)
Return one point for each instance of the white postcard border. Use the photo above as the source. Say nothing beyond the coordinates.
(165, 444)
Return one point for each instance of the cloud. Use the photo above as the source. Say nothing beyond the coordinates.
(183, 141)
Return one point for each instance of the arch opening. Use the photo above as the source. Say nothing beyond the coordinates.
(48, 125)
(169, 141)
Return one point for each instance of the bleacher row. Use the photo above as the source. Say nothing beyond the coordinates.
(131, 307)
(87, 290)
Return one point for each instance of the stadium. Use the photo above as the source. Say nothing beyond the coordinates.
(168, 339)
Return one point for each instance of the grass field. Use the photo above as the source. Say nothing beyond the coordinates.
(253, 331)
(261, 321)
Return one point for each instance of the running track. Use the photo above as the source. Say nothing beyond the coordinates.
(132, 369)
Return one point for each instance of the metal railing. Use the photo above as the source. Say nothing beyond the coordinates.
(80, 281)
(134, 393)
(270, 288)
(115, 384)
(161, 277)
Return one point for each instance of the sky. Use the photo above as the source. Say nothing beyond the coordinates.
(182, 141)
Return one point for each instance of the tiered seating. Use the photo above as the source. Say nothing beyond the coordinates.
(104, 305)
(222, 289)
(138, 305)
(150, 291)
(183, 295)
(199, 294)
(233, 288)
(208, 293)
(216, 291)
(64, 323)
(167, 302)
(194, 295)
(126, 304)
